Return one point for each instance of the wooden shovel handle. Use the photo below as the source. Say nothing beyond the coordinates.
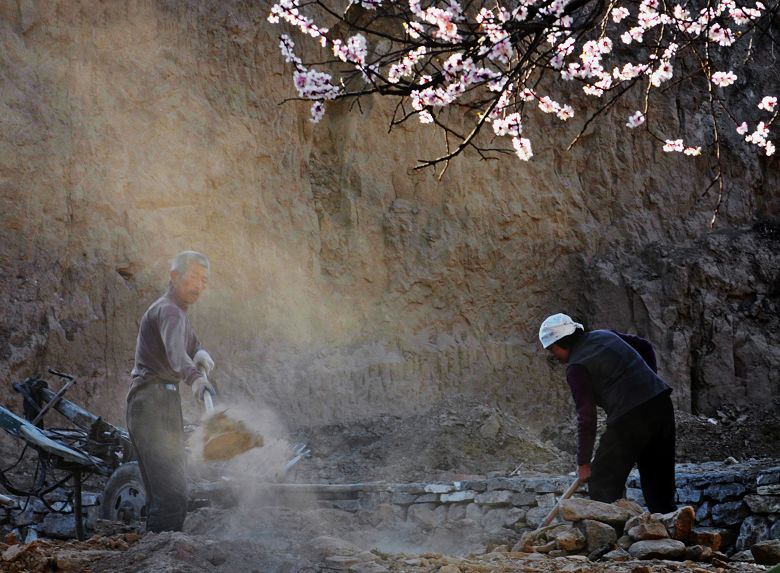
(566, 495)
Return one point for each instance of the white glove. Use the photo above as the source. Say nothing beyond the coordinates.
(201, 386)
(203, 361)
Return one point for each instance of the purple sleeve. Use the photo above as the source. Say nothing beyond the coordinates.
(642, 346)
(578, 379)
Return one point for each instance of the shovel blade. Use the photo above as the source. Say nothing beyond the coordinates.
(228, 445)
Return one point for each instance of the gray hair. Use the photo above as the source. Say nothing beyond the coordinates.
(183, 260)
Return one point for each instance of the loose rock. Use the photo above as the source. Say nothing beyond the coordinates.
(577, 509)
(767, 552)
(645, 526)
(657, 549)
(598, 535)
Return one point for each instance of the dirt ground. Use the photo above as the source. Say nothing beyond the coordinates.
(456, 438)
(461, 436)
(188, 552)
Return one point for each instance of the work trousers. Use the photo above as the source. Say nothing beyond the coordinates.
(156, 429)
(644, 436)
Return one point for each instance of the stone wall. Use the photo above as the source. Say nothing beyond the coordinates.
(345, 284)
(740, 504)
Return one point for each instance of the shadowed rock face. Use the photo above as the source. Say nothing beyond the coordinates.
(345, 284)
(711, 309)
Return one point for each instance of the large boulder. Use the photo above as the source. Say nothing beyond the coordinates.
(599, 536)
(578, 509)
(657, 549)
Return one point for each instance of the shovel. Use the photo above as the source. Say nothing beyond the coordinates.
(223, 437)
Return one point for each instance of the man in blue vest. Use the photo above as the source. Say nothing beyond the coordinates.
(618, 373)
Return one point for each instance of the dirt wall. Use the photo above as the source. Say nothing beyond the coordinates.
(345, 284)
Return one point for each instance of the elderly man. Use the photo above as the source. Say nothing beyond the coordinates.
(167, 353)
(618, 373)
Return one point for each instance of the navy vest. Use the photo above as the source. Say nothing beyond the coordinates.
(620, 378)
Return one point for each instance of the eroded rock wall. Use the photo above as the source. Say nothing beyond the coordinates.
(712, 309)
(345, 283)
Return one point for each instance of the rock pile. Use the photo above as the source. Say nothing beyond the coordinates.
(73, 556)
(623, 531)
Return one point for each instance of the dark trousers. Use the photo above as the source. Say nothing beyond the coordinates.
(644, 436)
(156, 429)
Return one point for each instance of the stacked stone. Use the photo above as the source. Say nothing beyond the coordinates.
(740, 503)
(502, 506)
(621, 531)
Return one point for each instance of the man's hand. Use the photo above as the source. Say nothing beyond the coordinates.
(583, 472)
(201, 386)
(203, 362)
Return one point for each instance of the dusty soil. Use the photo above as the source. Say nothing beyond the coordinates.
(461, 436)
(184, 552)
(456, 438)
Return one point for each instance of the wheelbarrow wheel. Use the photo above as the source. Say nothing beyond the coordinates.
(124, 497)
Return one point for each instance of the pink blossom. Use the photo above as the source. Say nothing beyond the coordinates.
(628, 72)
(406, 66)
(758, 137)
(565, 112)
(739, 16)
(438, 30)
(673, 145)
(510, 125)
(522, 148)
(769, 103)
(593, 90)
(369, 4)
(636, 120)
(724, 79)
(286, 46)
(605, 45)
(502, 51)
(354, 51)
(287, 10)
(721, 35)
(443, 20)
(414, 29)
(619, 14)
(317, 111)
(661, 74)
(572, 71)
(547, 105)
(315, 85)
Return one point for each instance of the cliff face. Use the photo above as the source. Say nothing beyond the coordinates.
(712, 306)
(345, 284)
